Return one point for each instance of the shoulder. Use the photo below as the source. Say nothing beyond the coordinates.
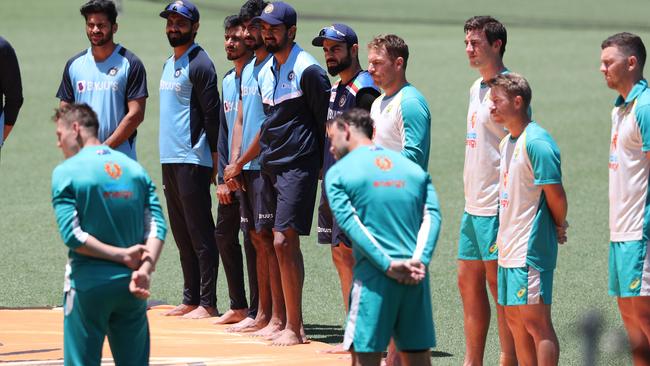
(412, 100)
(199, 59)
(130, 57)
(643, 104)
(76, 57)
(538, 140)
(230, 75)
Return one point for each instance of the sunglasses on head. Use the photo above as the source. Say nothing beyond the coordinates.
(331, 32)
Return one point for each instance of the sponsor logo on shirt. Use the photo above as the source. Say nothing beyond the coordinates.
(265, 216)
(613, 159)
(114, 170)
(112, 71)
(389, 183)
(88, 86)
(169, 85)
(383, 163)
(249, 90)
(229, 106)
(473, 120)
(471, 138)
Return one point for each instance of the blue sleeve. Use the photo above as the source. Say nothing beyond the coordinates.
(316, 88)
(430, 228)
(66, 91)
(205, 86)
(155, 225)
(545, 159)
(136, 84)
(643, 119)
(223, 147)
(65, 210)
(347, 218)
(10, 83)
(417, 124)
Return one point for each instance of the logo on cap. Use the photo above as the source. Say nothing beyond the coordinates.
(112, 71)
(269, 9)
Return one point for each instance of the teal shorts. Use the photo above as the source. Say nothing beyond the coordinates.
(381, 308)
(629, 269)
(524, 286)
(478, 238)
(105, 310)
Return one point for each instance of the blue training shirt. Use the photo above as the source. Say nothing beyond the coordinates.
(295, 97)
(253, 109)
(106, 87)
(189, 109)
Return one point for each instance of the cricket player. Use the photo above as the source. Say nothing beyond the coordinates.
(622, 59)
(106, 209)
(109, 78)
(532, 220)
(388, 208)
(485, 44)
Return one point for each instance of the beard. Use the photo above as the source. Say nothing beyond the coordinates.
(101, 41)
(253, 44)
(235, 55)
(344, 64)
(273, 48)
(184, 38)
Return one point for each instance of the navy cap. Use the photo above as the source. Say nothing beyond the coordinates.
(278, 12)
(183, 8)
(336, 32)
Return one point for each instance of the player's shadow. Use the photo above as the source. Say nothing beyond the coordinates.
(332, 334)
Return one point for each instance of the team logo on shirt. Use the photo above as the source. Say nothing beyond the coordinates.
(114, 170)
(635, 284)
(383, 163)
(342, 101)
(268, 9)
(291, 76)
(177, 73)
(112, 71)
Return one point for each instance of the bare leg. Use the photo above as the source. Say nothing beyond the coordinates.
(524, 343)
(344, 262)
(181, 309)
(508, 355)
(537, 320)
(416, 358)
(637, 338)
(392, 356)
(287, 249)
(476, 309)
(366, 359)
(278, 311)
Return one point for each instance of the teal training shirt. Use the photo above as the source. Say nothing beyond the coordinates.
(386, 205)
(103, 193)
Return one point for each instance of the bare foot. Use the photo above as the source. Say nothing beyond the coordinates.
(268, 330)
(232, 316)
(181, 309)
(338, 349)
(201, 313)
(244, 325)
(287, 338)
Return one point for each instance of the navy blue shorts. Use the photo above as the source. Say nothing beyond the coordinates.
(329, 231)
(256, 203)
(294, 193)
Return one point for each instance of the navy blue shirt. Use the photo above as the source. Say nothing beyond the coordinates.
(295, 97)
(106, 87)
(11, 88)
(189, 109)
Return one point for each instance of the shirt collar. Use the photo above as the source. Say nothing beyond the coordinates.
(639, 87)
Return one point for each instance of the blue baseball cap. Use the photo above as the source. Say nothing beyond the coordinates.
(183, 8)
(336, 32)
(278, 12)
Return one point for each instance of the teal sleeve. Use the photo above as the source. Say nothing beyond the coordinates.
(545, 158)
(417, 122)
(643, 119)
(348, 220)
(155, 225)
(430, 228)
(65, 210)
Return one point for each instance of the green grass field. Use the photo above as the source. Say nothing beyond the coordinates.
(555, 44)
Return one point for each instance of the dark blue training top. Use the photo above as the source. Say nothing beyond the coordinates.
(11, 88)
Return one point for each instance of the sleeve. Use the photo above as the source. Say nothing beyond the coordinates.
(643, 120)
(365, 97)
(316, 88)
(65, 210)
(222, 146)
(136, 83)
(155, 225)
(417, 122)
(430, 228)
(348, 220)
(204, 81)
(66, 90)
(544, 157)
(10, 84)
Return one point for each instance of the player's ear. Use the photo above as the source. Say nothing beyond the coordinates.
(114, 28)
(354, 51)
(632, 62)
(496, 45)
(399, 62)
(518, 102)
(195, 27)
(291, 32)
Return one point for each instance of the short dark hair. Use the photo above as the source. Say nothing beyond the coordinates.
(252, 9)
(494, 29)
(355, 117)
(394, 45)
(80, 113)
(106, 7)
(628, 43)
(232, 21)
(513, 85)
